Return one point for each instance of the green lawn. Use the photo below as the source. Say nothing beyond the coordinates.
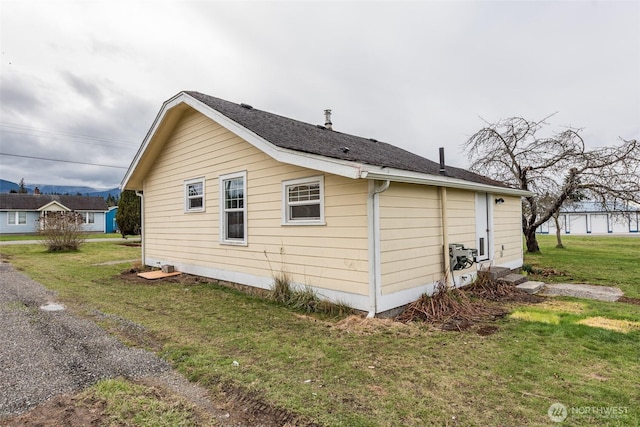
(598, 260)
(375, 373)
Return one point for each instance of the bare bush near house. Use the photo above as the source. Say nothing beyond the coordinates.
(556, 167)
(61, 231)
(447, 305)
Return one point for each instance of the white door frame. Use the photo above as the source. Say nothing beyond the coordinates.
(484, 226)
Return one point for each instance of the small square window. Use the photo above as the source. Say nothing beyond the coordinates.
(194, 195)
(303, 201)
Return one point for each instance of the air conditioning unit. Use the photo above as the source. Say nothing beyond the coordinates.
(461, 257)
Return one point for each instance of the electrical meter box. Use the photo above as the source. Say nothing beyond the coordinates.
(461, 257)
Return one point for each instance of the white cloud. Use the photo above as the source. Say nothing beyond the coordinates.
(415, 74)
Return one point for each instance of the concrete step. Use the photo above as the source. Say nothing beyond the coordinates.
(514, 279)
(494, 273)
(531, 287)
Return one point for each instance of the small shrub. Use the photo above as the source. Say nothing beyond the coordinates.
(61, 231)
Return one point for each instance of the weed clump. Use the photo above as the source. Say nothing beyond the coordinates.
(305, 300)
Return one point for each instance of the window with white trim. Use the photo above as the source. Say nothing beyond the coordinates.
(88, 217)
(194, 195)
(303, 201)
(233, 208)
(17, 218)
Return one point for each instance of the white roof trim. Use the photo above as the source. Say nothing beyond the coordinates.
(399, 175)
(284, 155)
(51, 203)
(293, 157)
(339, 167)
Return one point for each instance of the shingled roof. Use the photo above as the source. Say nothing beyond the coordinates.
(33, 202)
(314, 139)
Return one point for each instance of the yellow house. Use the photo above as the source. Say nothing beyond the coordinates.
(239, 194)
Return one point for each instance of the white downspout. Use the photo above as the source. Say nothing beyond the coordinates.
(445, 238)
(142, 233)
(375, 276)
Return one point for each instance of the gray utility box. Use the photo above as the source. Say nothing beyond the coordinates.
(461, 257)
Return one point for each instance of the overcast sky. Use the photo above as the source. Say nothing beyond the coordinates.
(82, 81)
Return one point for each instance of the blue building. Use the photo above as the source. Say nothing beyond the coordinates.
(110, 225)
(21, 213)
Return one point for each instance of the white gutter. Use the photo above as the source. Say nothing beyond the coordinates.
(373, 214)
(399, 175)
(142, 233)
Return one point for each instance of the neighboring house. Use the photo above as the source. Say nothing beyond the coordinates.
(582, 218)
(20, 213)
(239, 194)
(110, 225)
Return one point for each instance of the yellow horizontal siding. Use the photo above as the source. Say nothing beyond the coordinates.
(334, 256)
(410, 236)
(508, 230)
(461, 214)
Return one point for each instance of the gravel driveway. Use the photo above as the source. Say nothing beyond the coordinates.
(46, 353)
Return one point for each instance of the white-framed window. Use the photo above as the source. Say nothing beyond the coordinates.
(88, 217)
(17, 218)
(233, 208)
(194, 195)
(303, 201)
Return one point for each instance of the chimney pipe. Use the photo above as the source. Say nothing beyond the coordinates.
(36, 191)
(442, 169)
(327, 119)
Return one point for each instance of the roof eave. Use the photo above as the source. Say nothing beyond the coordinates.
(53, 203)
(398, 175)
(129, 181)
(350, 169)
(284, 155)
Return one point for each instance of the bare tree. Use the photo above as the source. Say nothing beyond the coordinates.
(557, 168)
(61, 231)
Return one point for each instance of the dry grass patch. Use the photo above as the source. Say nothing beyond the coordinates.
(624, 326)
(534, 316)
(368, 326)
(563, 306)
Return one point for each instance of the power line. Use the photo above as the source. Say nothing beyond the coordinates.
(63, 161)
(57, 134)
(60, 138)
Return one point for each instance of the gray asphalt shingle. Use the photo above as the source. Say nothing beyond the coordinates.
(292, 134)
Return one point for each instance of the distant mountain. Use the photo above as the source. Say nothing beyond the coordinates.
(7, 186)
(115, 192)
(62, 189)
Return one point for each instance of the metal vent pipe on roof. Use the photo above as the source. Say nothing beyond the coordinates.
(327, 119)
(442, 168)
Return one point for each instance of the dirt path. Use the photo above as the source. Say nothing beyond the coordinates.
(47, 357)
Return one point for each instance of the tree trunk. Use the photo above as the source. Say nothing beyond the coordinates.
(532, 241)
(558, 234)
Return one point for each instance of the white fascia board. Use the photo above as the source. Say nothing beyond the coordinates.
(284, 155)
(54, 203)
(399, 175)
(166, 107)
